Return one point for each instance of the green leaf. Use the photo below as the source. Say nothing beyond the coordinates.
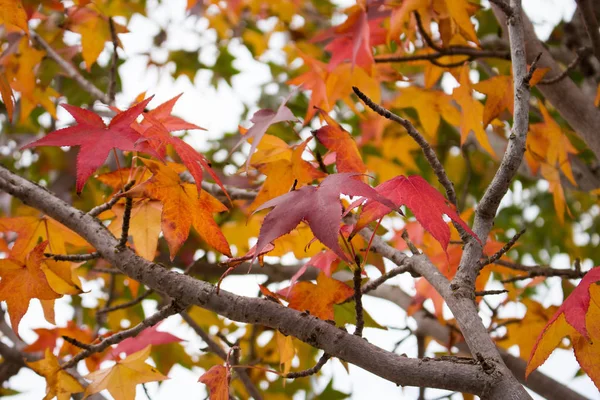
(345, 314)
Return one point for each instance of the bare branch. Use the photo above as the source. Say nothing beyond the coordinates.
(316, 332)
(73, 257)
(112, 78)
(311, 371)
(502, 251)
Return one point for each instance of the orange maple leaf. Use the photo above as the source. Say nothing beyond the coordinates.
(217, 379)
(12, 14)
(472, 112)
(338, 140)
(317, 299)
(182, 208)
(23, 280)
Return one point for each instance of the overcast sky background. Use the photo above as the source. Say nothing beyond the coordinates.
(219, 111)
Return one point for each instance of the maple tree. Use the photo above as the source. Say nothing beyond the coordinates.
(436, 154)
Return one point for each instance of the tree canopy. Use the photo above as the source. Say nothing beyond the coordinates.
(435, 154)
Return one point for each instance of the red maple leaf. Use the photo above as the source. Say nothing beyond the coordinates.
(159, 137)
(354, 39)
(149, 336)
(319, 206)
(95, 139)
(162, 114)
(426, 203)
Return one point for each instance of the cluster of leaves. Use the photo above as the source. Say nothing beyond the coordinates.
(156, 189)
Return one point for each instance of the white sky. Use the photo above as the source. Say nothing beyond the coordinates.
(219, 111)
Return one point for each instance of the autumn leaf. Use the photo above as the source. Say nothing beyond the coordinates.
(13, 14)
(159, 137)
(23, 280)
(121, 379)
(95, 139)
(499, 91)
(182, 208)
(163, 114)
(262, 120)
(281, 174)
(148, 337)
(431, 105)
(217, 379)
(94, 30)
(318, 299)
(314, 79)
(459, 12)
(338, 140)
(523, 332)
(472, 112)
(31, 230)
(319, 206)
(8, 97)
(59, 383)
(426, 203)
(572, 319)
(354, 38)
(145, 226)
(287, 352)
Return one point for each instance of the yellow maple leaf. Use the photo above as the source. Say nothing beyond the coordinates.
(59, 383)
(121, 379)
(472, 112)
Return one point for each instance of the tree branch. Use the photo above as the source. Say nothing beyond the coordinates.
(187, 290)
(464, 280)
(70, 70)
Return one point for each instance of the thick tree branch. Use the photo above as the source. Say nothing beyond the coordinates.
(569, 100)
(318, 333)
(464, 281)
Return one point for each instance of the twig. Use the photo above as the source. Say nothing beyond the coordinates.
(409, 243)
(490, 292)
(421, 345)
(112, 78)
(502, 251)
(358, 307)
(586, 9)
(538, 270)
(470, 53)
(106, 270)
(581, 53)
(73, 257)
(375, 283)
(430, 155)
(76, 342)
(128, 304)
(216, 349)
(126, 220)
(311, 371)
(165, 312)
(70, 70)
(94, 212)
(424, 34)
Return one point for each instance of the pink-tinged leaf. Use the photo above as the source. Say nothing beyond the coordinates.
(575, 307)
(319, 207)
(95, 139)
(426, 203)
(262, 120)
(149, 336)
(159, 137)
